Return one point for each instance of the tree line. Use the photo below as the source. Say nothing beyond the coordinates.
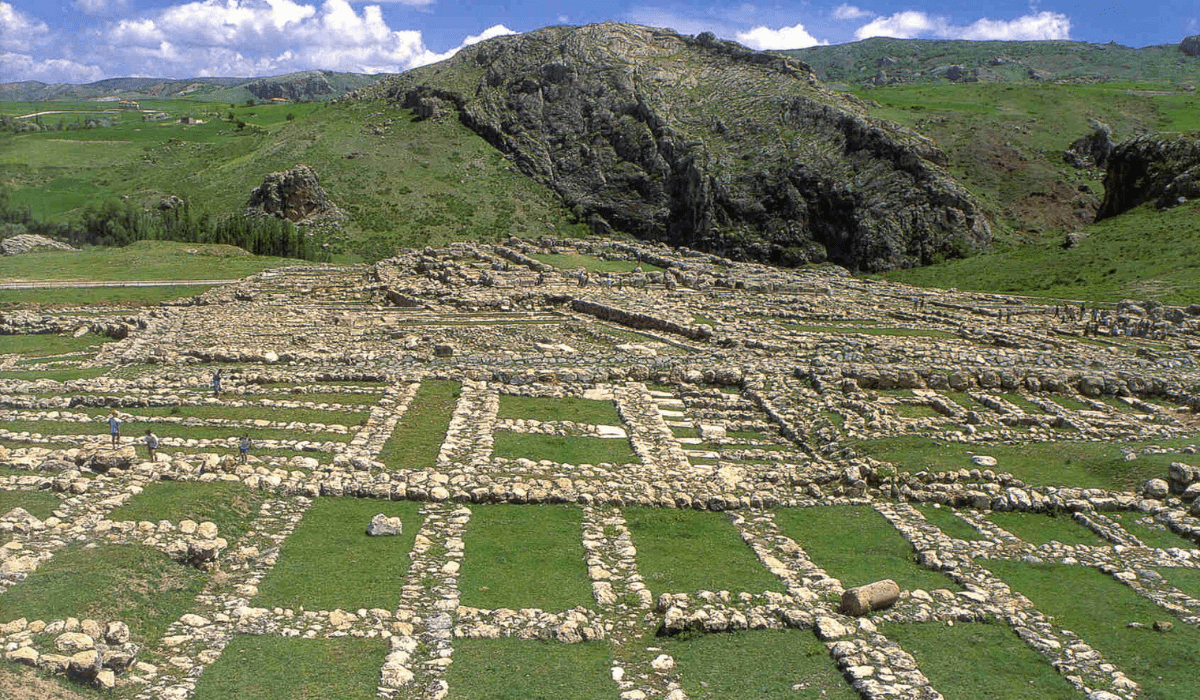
(119, 223)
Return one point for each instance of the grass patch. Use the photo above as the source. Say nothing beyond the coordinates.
(1155, 535)
(416, 441)
(131, 583)
(58, 375)
(685, 432)
(764, 665)
(144, 260)
(908, 410)
(1099, 609)
(945, 520)
(1073, 463)
(1002, 666)
(229, 505)
(684, 551)
(567, 408)
(1023, 403)
(515, 669)
(132, 429)
(1070, 403)
(1186, 580)
(330, 562)
(40, 504)
(1040, 528)
(47, 344)
(254, 667)
(125, 297)
(276, 415)
(525, 557)
(858, 546)
(369, 399)
(574, 261)
(563, 449)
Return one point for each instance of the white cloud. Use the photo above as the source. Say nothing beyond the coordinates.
(765, 38)
(912, 24)
(489, 33)
(845, 11)
(54, 70)
(18, 31)
(102, 8)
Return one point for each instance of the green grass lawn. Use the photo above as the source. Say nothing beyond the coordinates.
(47, 344)
(1142, 254)
(516, 669)
(256, 667)
(559, 409)
(562, 449)
(949, 523)
(525, 557)
(134, 430)
(1002, 666)
(574, 261)
(132, 583)
(330, 562)
(1039, 528)
(1152, 535)
(857, 545)
(229, 505)
(276, 415)
(1186, 580)
(129, 297)
(684, 551)
(40, 504)
(1099, 609)
(764, 665)
(58, 375)
(368, 399)
(418, 437)
(1069, 462)
(144, 260)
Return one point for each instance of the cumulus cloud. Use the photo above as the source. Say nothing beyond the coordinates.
(54, 70)
(18, 31)
(102, 8)
(913, 24)
(766, 39)
(256, 37)
(845, 11)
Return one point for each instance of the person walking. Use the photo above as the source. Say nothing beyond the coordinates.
(152, 445)
(114, 427)
(216, 383)
(244, 448)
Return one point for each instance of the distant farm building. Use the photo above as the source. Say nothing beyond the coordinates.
(129, 104)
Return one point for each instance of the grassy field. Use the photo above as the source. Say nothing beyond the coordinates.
(417, 439)
(230, 506)
(855, 544)
(144, 260)
(689, 551)
(516, 669)
(559, 409)
(1038, 529)
(563, 449)
(269, 668)
(1089, 464)
(524, 557)
(1100, 609)
(330, 562)
(97, 297)
(40, 504)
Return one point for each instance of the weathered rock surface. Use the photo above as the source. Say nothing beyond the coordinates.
(861, 600)
(1161, 169)
(642, 130)
(295, 195)
(299, 86)
(26, 242)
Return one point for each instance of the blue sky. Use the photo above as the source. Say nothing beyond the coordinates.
(84, 40)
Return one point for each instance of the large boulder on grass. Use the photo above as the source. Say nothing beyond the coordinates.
(382, 526)
(106, 459)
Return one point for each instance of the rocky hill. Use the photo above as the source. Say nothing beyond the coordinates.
(880, 61)
(703, 143)
(307, 85)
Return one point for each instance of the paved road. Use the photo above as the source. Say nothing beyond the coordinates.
(78, 284)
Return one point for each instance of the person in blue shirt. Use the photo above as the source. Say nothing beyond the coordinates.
(114, 427)
(216, 383)
(244, 448)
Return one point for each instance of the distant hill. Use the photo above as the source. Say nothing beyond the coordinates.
(881, 61)
(307, 85)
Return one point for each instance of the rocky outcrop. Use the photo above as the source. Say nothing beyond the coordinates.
(704, 143)
(1093, 150)
(1190, 46)
(1160, 169)
(29, 242)
(301, 86)
(295, 195)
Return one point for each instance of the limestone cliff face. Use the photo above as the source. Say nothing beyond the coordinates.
(704, 143)
(300, 86)
(1161, 169)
